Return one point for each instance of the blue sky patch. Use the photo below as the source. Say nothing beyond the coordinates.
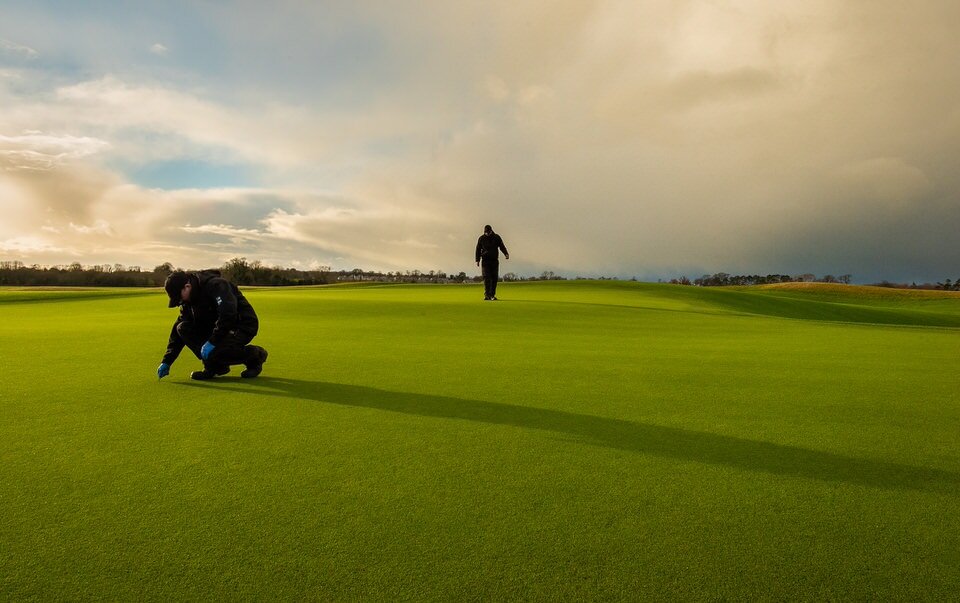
(188, 173)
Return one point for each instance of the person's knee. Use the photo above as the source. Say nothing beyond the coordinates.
(191, 337)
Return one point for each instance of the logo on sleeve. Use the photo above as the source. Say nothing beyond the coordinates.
(219, 300)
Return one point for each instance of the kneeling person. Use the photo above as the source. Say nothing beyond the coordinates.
(216, 322)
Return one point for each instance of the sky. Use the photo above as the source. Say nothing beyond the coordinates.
(636, 138)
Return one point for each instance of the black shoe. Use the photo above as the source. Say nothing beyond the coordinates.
(206, 374)
(256, 367)
(486, 299)
(494, 298)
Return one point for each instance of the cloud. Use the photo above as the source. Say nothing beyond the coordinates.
(38, 151)
(887, 180)
(224, 230)
(100, 227)
(157, 122)
(28, 245)
(109, 103)
(496, 88)
(92, 214)
(158, 49)
(12, 48)
(367, 236)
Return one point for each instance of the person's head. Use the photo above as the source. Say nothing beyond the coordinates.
(178, 286)
(488, 229)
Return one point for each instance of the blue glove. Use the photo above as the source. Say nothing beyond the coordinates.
(206, 350)
(163, 370)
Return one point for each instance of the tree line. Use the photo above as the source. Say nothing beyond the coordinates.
(244, 272)
(722, 279)
(77, 275)
(944, 285)
(238, 270)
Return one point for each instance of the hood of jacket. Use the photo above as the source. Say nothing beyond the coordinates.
(204, 276)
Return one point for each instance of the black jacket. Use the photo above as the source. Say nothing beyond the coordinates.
(215, 305)
(487, 246)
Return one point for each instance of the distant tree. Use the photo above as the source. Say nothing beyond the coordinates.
(237, 270)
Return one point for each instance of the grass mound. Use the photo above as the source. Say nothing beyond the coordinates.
(861, 292)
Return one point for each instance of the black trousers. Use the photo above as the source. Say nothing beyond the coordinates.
(234, 349)
(491, 273)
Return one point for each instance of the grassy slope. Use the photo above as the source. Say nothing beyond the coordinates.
(579, 440)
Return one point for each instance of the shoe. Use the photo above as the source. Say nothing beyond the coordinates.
(494, 298)
(206, 374)
(255, 368)
(486, 299)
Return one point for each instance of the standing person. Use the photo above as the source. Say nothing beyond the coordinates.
(489, 246)
(216, 322)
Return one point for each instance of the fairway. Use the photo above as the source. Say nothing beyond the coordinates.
(575, 441)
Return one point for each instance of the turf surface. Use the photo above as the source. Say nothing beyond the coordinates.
(576, 441)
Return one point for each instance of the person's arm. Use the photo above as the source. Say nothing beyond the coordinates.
(227, 316)
(479, 249)
(503, 247)
(174, 344)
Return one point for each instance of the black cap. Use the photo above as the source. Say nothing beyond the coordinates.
(174, 284)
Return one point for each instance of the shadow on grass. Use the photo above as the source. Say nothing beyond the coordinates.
(657, 440)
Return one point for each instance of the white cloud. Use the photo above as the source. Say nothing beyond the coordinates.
(12, 48)
(35, 150)
(157, 121)
(100, 227)
(28, 245)
(237, 235)
(531, 95)
(412, 243)
(367, 236)
(496, 89)
(159, 49)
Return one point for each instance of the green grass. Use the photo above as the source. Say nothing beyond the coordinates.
(576, 441)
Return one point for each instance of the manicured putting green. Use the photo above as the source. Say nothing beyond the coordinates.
(575, 441)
